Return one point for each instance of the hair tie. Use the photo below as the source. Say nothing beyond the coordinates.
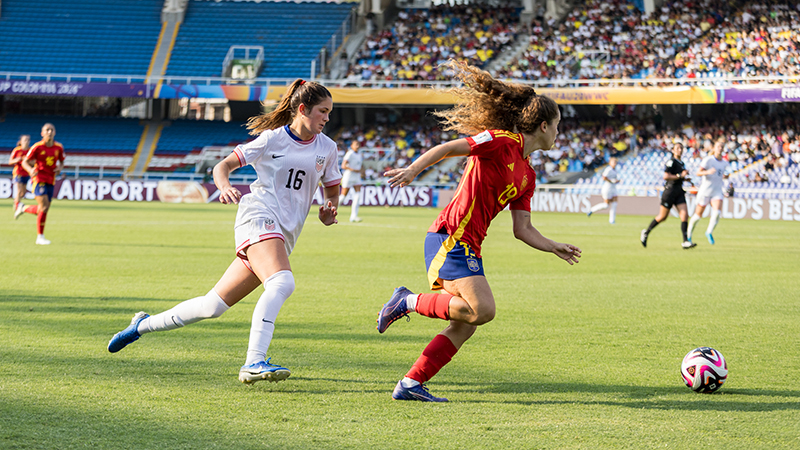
(302, 82)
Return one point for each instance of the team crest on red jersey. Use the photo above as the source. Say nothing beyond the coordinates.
(320, 163)
(269, 224)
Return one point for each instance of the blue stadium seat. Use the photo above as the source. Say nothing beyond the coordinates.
(292, 35)
(114, 37)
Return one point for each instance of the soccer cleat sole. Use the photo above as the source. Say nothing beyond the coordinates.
(276, 376)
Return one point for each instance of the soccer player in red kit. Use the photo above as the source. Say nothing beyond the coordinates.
(19, 176)
(507, 122)
(44, 162)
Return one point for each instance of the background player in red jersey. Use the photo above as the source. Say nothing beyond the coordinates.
(20, 176)
(511, 122)
(44, 162)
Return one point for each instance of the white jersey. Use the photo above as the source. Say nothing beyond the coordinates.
(352, 177)
(289, 172)
(713, 182)
(354, 160)
(609, 189)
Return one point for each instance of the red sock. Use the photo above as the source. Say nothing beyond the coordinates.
(40, 218)
(32, 209)
(436, 306)
(16, 203)
(438, 353)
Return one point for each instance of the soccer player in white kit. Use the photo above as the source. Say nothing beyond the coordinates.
(712, 169)
(608, 192)
(351, 164)
(291, 157)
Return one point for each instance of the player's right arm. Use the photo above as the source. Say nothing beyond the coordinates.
(13, 160)
(222, 171)
(403, 176)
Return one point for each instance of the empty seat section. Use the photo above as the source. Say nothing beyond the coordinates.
(114, 37)
(292, 34)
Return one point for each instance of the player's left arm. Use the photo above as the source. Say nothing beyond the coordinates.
(59, 163)
(527, 233)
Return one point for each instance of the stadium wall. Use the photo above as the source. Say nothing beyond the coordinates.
(544, 200)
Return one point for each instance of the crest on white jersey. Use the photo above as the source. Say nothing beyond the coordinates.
(482, 137)
(320, 163)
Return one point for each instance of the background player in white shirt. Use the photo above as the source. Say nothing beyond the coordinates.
(712, 169)
(351, 164)
(608, 191)
(291, 157)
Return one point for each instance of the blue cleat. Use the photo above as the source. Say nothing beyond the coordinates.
(263, 370)
(710, 238)
(128, 335)
(589, 214)
(418, 392)
(394, 309)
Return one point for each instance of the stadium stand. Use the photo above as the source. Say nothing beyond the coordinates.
(110, 37)
(182, 141)
(88, 142)
(292, 35)
(419, 40)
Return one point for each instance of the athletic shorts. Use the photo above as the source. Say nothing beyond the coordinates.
(673, 197)
(255, 224)
(43, 189)
(351, 178)
(449, 259)
(707, 193)
(21, 179)
(608, 191)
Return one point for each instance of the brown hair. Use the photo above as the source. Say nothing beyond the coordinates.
(486, 103)
(21, 137)
(309, 93)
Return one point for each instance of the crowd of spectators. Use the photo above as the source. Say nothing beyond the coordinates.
(613, 39)
(762, 40)
(420, 39)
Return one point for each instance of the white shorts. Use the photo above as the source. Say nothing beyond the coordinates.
(255, 224)
(608, 191)
(351, 178)
(707, 193)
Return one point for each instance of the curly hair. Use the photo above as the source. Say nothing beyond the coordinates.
(487, 103)
(309, 93)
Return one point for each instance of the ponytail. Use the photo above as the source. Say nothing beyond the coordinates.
(299, 92)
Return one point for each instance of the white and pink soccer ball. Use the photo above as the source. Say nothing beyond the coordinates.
(704, 370)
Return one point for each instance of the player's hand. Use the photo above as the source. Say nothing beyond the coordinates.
(229, 195)
(400, 177)
(327, 214)
(567, 252)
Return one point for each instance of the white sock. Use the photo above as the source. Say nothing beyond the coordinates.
(355, 205)
(612, 213)
(714, 221)
(599, 207)
(692, 223)
(411, 302)
(208, 306)
(409, 382)
(277, 289)
(341, 199)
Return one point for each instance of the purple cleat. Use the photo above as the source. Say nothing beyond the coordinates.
(394, 309)
(418, 392)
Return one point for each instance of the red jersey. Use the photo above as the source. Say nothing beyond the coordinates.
(45, 160)
(18, 170)
(496, 176)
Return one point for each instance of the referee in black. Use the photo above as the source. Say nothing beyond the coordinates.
(675, 174)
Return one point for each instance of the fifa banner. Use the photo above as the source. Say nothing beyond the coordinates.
(194, 192)
(572, 96)
(73, 89)
(732, 208)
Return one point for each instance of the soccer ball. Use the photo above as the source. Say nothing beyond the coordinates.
(704, 370)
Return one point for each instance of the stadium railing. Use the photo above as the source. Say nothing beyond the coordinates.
(267, 82)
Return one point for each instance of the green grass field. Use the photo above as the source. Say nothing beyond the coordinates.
(583, 356)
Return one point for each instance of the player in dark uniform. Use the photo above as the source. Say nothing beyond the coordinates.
(675, 174)
(507, 123)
